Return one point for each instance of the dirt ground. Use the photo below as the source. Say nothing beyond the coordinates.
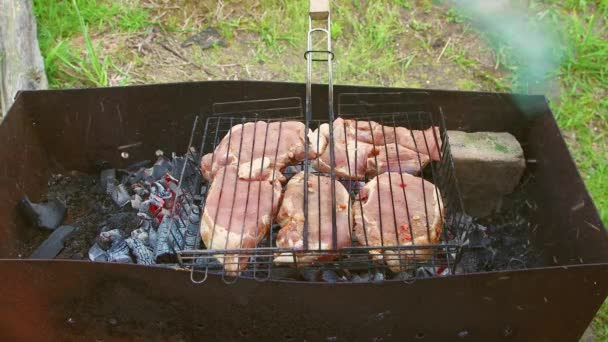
(439, 53)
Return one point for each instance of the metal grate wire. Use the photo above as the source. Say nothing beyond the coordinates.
(346, 263)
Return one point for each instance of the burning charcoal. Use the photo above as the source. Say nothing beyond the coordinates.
(107, 176)
(151, 208)
(118, 193)
(119, 251)
(142, 253)
(53, 244)
(44, 215)
(96, 253)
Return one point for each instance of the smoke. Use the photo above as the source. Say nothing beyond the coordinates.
(533, 45)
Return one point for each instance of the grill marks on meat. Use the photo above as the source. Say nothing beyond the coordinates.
(320, 234)
(237, 214)
(259, 149)
(398, 209)
(366, 148)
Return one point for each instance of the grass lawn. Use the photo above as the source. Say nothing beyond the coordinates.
(400, 43)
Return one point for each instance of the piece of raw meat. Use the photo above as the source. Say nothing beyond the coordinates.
(320, 235)
(367, 148)
(259, 149)
(237, 214)
(393, 157)
(427, 141)
(351, 148)
(390, 211)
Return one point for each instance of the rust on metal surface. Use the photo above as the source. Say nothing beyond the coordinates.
(56, 131)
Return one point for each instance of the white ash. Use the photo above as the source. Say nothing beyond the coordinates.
(168, 215)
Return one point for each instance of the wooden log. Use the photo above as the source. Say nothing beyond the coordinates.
(21, 64)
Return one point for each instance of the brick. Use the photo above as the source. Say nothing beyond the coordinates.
(487, 165)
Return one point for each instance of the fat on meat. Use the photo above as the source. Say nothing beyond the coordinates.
(259, 149)
(237, 214)
(320, 235)
(398, 209)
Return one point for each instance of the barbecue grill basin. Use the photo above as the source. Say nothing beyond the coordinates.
(57, 131)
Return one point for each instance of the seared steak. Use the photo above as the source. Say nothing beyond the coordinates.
(258, 148)
(320, 235)
(237, 214)
(390, 211)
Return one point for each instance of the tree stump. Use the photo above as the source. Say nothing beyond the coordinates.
(21, 64)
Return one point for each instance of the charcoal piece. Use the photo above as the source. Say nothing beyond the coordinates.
(105, 177)
(168, 240)
(161, 167)
(106, 238)
(143, 254)
(119, 251)
(141, 234)
(96, 253)
(360, 278)
(159, 171)
(53, 244)
(330, 276)
(425, 272)
(118, 193)
(152, 235)
(136, 201)
(191, 238)
(136, 176)
(378, 277)
(310, 274)
(46, 215)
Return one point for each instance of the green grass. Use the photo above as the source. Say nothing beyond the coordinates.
(60, 21)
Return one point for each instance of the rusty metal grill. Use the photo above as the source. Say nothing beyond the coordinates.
(345, 263)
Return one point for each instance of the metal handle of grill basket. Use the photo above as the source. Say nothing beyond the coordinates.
(319, 12)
